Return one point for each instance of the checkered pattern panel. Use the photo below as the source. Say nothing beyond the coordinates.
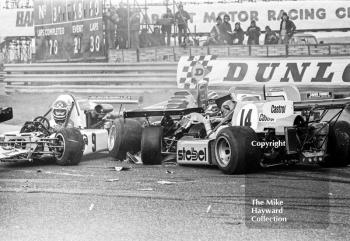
(185, 78)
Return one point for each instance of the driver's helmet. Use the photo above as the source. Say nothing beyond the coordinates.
(227, 106)
(61, 107)
(212, 108)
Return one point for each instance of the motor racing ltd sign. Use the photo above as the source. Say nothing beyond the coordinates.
(305, 71)
(306, 14)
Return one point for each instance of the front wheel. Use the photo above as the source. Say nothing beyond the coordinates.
(151, 145)
(234, 151)
(69, 146)
(124, 136)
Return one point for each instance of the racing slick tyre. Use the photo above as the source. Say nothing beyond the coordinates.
(151, 145)
(72, 146)
(253, 153)
(234, 151)
(338, 147)
(124, 136)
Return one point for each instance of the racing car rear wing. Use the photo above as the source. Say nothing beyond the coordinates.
(322, 104)
(148, 113)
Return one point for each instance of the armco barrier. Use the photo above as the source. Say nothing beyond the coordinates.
(2, 89)
(171, 54)
(88, 77)
(2, 73)
(2, 76)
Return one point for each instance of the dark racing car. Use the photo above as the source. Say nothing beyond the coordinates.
(248, 131)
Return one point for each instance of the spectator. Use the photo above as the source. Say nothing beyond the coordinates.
(238, 34)
(122, 26)
(145, 40)
(187, 42)
(134, 29)
(157, 38)
(253, 33)
(287, 29)
(168, 20)
(110, 19)
(227, 30)
(270, 36)
(216, 33)
(181, 17)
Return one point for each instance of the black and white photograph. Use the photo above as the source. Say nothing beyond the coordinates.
(147, 120)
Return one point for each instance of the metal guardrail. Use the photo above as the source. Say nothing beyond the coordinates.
(1, 71)
(90, 67)
(155, 72)
(171, 54)
(2, 76)
(90, 77)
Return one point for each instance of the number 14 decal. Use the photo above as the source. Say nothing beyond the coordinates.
(248, 116)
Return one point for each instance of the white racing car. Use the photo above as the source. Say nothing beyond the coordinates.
(245, 131)
(76, 127)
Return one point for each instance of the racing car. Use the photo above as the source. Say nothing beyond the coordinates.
(76, 127)
(241, 132)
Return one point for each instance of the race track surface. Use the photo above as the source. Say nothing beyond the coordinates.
(93, 201)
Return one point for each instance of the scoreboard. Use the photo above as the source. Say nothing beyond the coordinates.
(69, 30)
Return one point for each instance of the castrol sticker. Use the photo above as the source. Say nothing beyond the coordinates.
(278, 109)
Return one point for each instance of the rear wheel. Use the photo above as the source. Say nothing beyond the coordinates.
(151, 145)
(234, 151)
(124, 136)
(70, 146)
(338, 147)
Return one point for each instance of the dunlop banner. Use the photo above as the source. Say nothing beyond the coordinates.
(230, 71)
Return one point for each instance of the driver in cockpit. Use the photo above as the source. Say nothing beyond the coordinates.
(227, 108)
(61, 111)
(227, 104)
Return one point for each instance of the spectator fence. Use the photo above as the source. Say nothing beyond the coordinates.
(173, 54)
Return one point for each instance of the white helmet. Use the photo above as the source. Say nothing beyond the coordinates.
(227, 107)
(61, 107)
(212, 108)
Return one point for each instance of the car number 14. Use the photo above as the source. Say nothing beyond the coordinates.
(248, 116)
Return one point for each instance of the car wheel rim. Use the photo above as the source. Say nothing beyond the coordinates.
(60, 142)
(112, 137)
(223, 151)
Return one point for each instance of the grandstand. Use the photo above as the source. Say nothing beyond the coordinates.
(69, 43)
(83, 44)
